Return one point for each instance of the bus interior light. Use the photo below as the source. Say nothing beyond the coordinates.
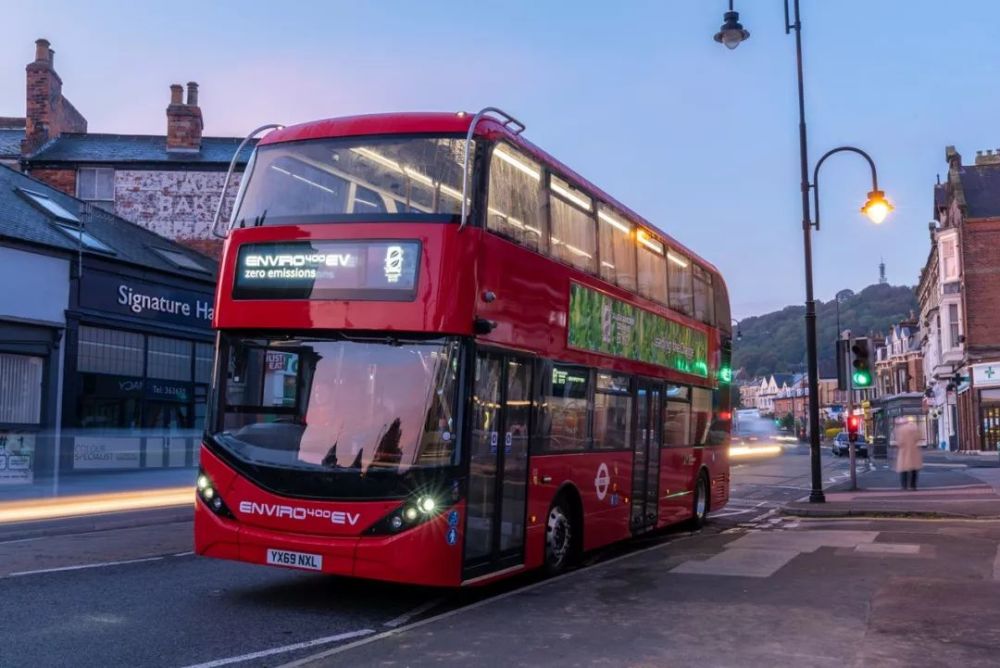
(517, 164)
(677, 259)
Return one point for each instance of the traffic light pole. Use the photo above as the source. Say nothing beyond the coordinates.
(851, 448)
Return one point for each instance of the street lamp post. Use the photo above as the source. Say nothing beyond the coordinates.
(877, 207)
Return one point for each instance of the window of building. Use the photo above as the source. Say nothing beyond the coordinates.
(96, 184)
(180, 260)
(679, 279)
(953, 326)
(21, 385)
(704, 295)
(49, 205)
(949, 259)
(204, 361)
(676, 424)
(701, 414)
(564, 417)
(617, 248)
(169, 359)
(515, 195)
(84, 238)
(110, 351)
(652, 269)
(573, 238)
(612, 412)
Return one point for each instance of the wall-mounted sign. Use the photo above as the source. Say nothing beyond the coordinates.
(374, 270)
(143, 299)
(986, 375)
(603, 324)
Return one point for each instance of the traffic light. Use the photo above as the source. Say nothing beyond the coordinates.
(853, 426)
(862, 375)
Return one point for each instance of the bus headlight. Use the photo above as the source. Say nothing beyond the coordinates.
(407, 515)
(210, 496)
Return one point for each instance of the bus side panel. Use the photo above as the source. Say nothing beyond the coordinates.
(677, 470)
(602, 480)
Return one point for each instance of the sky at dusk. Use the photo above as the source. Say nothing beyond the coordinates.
(636, 96)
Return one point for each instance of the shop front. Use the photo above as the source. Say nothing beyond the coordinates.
(31, 331)
(139, 363)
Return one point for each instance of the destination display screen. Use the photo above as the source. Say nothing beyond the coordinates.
(372, 270)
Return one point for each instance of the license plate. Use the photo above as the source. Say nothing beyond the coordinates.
(312, 562)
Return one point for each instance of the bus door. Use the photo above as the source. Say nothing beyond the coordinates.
(646, 456)
(498, 463)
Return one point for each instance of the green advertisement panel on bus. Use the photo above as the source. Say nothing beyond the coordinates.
(603, 324)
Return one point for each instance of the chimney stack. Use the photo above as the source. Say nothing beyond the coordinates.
(47, 113)
(988, 157)
(184, 123)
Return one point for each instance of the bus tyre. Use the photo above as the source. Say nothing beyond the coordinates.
(700, 502)
(559, 537)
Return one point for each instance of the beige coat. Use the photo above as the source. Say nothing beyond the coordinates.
(908, 455)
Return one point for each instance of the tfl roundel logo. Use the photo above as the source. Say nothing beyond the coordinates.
(393, 263)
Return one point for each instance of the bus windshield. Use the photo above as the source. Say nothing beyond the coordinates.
(353, 178)
(338, 405)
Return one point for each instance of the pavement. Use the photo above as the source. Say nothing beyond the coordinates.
(797, 591)
(950, 485)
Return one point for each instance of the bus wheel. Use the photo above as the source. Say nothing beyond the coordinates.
(700, 502)
(558, 537)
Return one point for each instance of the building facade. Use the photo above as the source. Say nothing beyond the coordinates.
(960, 306)
(169, 184)
(106, 347)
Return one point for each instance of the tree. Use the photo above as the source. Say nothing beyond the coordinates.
(787, 422)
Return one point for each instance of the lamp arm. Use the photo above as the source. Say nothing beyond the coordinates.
(819, 163)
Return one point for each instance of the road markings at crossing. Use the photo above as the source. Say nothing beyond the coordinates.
(284, 649)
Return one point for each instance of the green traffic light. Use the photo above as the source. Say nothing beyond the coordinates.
(862, 379)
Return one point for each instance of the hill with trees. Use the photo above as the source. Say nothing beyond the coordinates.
(775, 342)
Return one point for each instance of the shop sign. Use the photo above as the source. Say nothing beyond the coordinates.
(17, 457)
(147, 300)
(986, 375)
(105, 452)
(165, 390)
(603, 324)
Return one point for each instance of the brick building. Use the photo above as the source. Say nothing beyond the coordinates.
(960, 305)
(169, 184)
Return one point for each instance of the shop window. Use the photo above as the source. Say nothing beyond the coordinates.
(617, 248)
(676, 424)
(652, 271)
(701, 415)
(704, 297)
(169, 359)
(109, 351)
(679, 278)
(564, 416)
(514, 209)
(204, 360)
(21, 389)
(612, 412)
(573, 237)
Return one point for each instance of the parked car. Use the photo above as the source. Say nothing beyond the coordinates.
(841, 446)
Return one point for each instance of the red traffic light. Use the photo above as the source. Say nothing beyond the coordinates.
(853, 422)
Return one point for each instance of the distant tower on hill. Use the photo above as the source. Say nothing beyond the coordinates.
(881, 273)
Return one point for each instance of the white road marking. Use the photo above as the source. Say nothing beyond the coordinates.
(82, 567)
(419, 610)
(284, 649)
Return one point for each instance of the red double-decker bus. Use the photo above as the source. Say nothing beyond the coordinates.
(444, 358)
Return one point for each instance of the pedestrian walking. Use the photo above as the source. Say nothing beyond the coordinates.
(909, 459)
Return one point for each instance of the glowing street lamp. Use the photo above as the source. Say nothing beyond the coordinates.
(877, 207)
